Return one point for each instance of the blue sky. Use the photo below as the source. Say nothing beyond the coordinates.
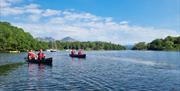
(158, 13)
(118, 21)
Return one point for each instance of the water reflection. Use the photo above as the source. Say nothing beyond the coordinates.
(5, 69)
(37, 74)
(100, 71)
(77, 60)
(38, 70)
(41, 67)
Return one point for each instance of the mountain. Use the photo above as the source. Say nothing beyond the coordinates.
(68, 39)
(45, 39)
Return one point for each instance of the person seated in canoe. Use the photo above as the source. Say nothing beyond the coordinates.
(41, 55)
(80, 52)
(73, 52)
(31, 55)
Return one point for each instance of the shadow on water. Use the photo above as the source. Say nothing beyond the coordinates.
(6, 68)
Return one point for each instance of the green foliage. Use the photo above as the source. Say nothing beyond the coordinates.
(169, 43)
(156, 44)
(89, 45)
(140, 46)
(14, 38)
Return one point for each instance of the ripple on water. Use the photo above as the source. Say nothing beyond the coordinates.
(93, 82)
(100, 71)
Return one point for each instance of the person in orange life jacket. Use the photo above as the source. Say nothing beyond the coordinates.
(31, 55)
(73, 52)
(41, 55)
(80, 52)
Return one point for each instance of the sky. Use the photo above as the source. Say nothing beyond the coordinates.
(117, 21)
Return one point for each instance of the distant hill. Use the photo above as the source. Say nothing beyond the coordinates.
(68, 39)
(45, 39)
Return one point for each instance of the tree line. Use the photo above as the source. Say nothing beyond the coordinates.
(168, 44)
(13, 38)
(97, 45)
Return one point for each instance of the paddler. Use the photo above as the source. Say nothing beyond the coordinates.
(80, 52)
(41, 55)
(31, 55)
(73, 52)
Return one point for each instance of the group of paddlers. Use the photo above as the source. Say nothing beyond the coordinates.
(33, 56)
(41, 55)
(73, 52)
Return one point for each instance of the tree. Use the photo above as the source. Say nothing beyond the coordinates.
(14, 38)
(168, 43)
(140, 46)
(156, 45)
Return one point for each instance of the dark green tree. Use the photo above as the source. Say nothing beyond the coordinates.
(140, 46)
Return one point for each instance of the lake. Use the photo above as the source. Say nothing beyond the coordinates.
(100, 71)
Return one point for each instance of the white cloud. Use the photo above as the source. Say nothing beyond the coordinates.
(32, 11)
(9, 11)
(34, 18)
(50, 12)
(27, 9)
(124, 22)
(6, 3)
(80, 25)
(32, 6)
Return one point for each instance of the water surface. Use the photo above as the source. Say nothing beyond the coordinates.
(100, 71)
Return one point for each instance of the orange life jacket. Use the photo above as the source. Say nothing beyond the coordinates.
(41, 56)
(31, 55)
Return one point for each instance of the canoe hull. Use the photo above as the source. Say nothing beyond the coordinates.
(78, 56)
(53, 51)
(47, 61)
